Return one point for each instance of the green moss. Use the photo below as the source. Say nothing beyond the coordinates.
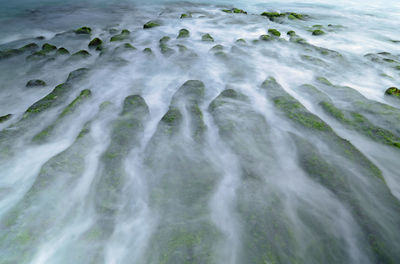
(81, 54)
(217, 48)
(318, 32)
(84, 30)
(207, 37)
(48, 101)
(129, 46)
(166, 50)
(164, 39)
(293, 16)
(186, 15)
(29, 47)
(94, 43)
(147, 51)
(291, 33)
(393, 91)
(35, 83)
(151, 24)
(274, 32)
(4, 118)
(323, 80)
(122, 36)
(62, 51)
(172, 117)
(48, 47)
(37, 55)
(183, 33)
(77, 75)
(272, 15)
(234, 10)
(240, 41)
(72, 106)
(266, 38)
(333, 111)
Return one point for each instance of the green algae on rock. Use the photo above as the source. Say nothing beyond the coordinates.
(84, 31)
(122, 36)
(48, 47)
(35, 83)
(81, 54)
(4, 118)
(318, 32)
(183, 33)
(207, 37)
(186, 15)
(274, 32)
(393, 92)
(266, 38)
(62, 51)
(151, 24)
(234, 11)
(94, 43)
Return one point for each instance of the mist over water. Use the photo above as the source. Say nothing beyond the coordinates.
(166, 146)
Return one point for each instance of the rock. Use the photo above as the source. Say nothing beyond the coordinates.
(94, 43)
(5, 118)
(148, 51)
(234, 11)
(62, 51)
(122, 36)
(29, 47)
(129, 46)
(81, 53)
(240, 41)
(393, 92)
(265, 37)
(272, 15)
(318, 32)
(35, 83)
(207, 37)
(274, 32)
(84, 31)
(164, 39)
(183, 33)
(48, 47)
(151, 24)
(217, 48)
(291, 33)
(186, 16)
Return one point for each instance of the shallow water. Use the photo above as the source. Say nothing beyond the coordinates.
(279, 151)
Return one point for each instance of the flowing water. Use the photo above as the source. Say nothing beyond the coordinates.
(230, 148)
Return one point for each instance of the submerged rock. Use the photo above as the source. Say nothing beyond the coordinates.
(122, 36)
(35, 83)
(207, 37)
(81, 54)
(84, 31)
(274, 32)
(234, 11)
(318, 32)
(48, 47)
(189, 15)
(4, 118)
(94, 43)
(393, 92)
(183, 33)
(62, 51)
(151, 24)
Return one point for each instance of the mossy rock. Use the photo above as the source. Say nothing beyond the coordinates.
(266, 38)
(166, 50)
(84, 31)
(207, 37)
(234, 11)
(148, 51)
(35, 83)
(393, 92)
(77, 75)
(129, 46)
(241, 41)
(274, 32)
(151, 24)
(29, 47)
(48, 47)
(318, 32)
(94, 43)
(291, 33)
(183, 33)
(122, 36)
(81, 54)
(37, 55)
(172, 117)
(273, 15)
(217, 48)
(293, 16)
(84, 94)
(62, 51)
(164, 40)
(186, 15)
(4, 118)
